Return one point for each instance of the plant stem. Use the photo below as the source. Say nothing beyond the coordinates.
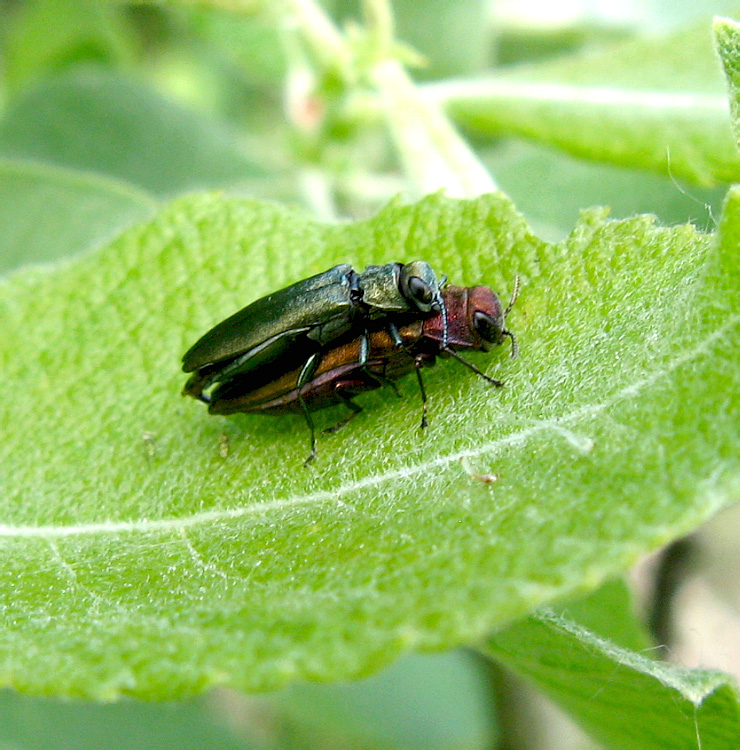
(323, 38)
(433, 153)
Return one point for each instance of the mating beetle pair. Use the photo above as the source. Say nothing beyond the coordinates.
(323, 340)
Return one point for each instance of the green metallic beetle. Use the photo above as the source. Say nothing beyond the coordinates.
(290, 327)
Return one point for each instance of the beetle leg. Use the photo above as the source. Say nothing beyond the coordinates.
(365, 354)
(391, 383)
(417, 364)
(395, 335)
(383, 380)
(364, 349)
(471, 366)
(355, 409)
(306, 374)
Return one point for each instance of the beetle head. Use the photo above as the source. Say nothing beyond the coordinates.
(491, 325)
(419, 285)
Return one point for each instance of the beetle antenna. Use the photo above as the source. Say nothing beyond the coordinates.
(471, 366)
(514, 295)
(514, 344)
(445, 326)
(424, 420)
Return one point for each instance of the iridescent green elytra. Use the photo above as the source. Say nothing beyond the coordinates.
(293, 324)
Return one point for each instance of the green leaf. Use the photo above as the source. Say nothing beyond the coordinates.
(460, 48)
(727, 39)
(427, 702)
(42, 724)
(106, 124)
(47, 212)
(610, 612)
(155, 550)
(623, 698)
(251, 44)
(655, 104)
(533, 177)
(47, 35)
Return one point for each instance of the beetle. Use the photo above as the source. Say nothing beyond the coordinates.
(292, 325)
(475, 320)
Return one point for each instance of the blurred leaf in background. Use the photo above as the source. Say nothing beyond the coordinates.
(46, 724)
(44, 37)
(107, 124)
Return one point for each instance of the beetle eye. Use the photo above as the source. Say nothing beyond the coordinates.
(488, 329)
(420, 291)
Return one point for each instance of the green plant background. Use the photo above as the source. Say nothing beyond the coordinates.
(153, 551)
